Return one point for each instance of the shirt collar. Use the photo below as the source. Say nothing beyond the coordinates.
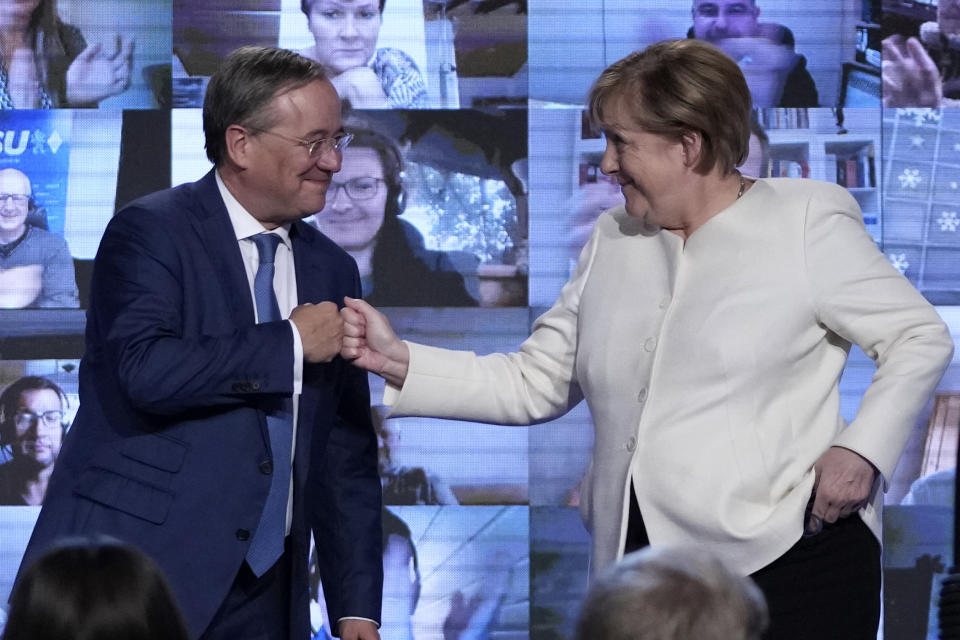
(244, 224)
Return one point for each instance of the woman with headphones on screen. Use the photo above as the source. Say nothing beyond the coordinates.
(32, 426)
(362, 215)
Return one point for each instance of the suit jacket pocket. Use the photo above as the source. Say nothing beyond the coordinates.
(126, 494)
(158, 451)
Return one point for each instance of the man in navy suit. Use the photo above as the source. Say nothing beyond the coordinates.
(190, 367)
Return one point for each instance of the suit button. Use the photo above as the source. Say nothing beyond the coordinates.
(650, 344)
(631, 444)
(642, 395)
(266, 467)
(243, 535)
(255, 386)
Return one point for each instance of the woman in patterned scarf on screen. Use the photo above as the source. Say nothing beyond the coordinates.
(346, 45)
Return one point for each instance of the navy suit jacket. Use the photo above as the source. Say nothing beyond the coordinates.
(169, 447)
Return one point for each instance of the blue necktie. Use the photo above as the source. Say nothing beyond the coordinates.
(267, 544)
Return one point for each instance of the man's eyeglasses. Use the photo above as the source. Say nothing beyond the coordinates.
(357, 188)
(24, 418)
(18, 198)
(318, 147)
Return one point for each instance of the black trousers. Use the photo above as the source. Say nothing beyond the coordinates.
(825, 586)
(255, 608)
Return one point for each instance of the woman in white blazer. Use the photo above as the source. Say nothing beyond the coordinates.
(707, 326)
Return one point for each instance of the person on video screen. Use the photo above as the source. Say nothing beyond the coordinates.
(32, 426)
(345, 34)
(404, 485)
(777, 75)
(925, 71)
(362, 215)
(466, 618)
(45, 63)
(36, 268)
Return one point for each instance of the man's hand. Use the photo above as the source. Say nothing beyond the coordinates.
(98, 73)
(765, 66)
(843, 484)
(910, 76)
(361, 87)
(321, 330)
(369, 341)
(351, 629)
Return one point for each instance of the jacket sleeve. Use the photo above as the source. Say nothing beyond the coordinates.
(860, 296)
(137, 311)
(534, 384)
(346, 505)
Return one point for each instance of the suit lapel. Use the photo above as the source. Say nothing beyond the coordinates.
(311, 264)
(217, 235)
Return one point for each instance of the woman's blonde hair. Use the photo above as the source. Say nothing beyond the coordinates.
(677, 87)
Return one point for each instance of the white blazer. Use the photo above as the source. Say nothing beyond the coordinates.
(711, 368)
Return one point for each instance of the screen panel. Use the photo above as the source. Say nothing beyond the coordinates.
(502, 182)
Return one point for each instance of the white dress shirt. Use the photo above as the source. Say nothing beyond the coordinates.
(245, 226)
(285, 287)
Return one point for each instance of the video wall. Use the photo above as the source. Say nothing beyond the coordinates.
(484, 102)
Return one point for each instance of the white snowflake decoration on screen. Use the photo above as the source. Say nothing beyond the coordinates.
(899, 262)
(910, 179)
(948, 221)
(921, 116)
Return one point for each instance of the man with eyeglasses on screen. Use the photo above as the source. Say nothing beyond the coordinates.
(217, 424)
(32, 425)
(36, 268)
(777, 75)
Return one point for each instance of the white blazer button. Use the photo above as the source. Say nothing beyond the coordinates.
(642, 396)
(650, 344)
(631, 444)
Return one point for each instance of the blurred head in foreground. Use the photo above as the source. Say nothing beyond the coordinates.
(672, 594)
(93, 590)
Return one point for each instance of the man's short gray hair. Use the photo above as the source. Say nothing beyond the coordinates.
(677, 593)
(243, 88)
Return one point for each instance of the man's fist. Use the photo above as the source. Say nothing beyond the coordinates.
(321, 330)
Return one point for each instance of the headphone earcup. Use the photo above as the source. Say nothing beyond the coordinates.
(4, 436)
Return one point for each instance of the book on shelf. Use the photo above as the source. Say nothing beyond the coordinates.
(783, 118)
(853, 170)
(786, 168)
(589, 173)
